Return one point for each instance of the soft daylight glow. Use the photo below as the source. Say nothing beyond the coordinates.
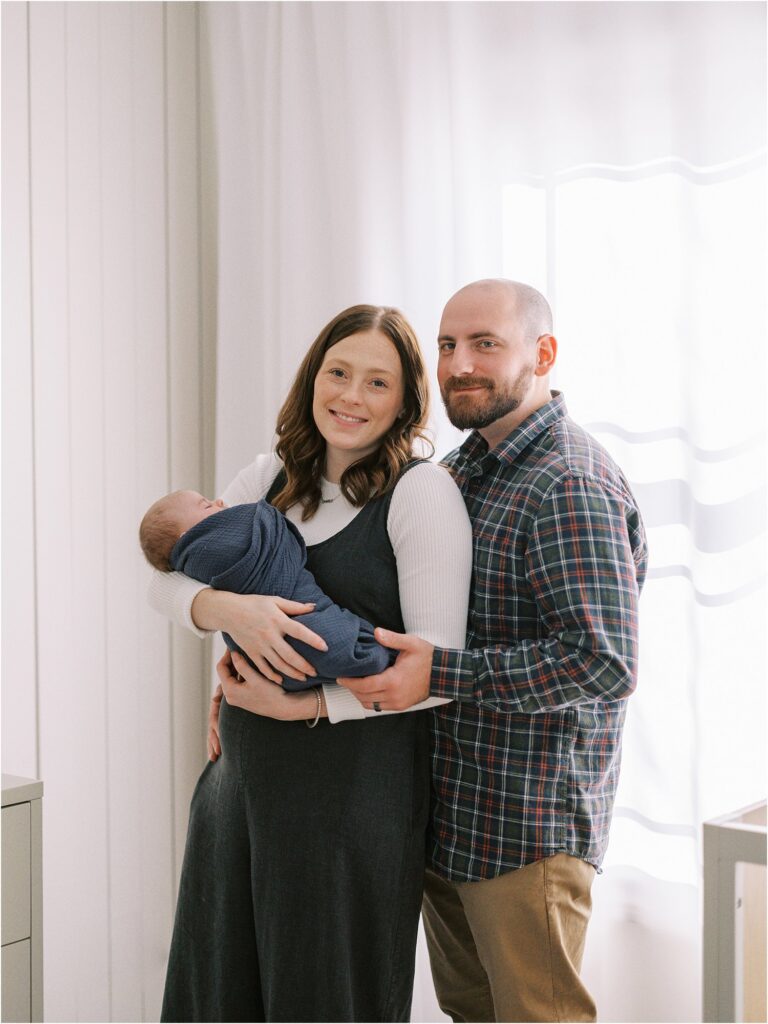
(656, 277)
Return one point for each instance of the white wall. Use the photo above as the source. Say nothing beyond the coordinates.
(106, 385)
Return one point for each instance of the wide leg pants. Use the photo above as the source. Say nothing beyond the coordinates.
(302, 878)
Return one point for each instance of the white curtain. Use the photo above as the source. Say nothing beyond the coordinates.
(613, 155)
(106, 372)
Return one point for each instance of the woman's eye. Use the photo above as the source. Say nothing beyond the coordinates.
(335, 372)
(379, 383)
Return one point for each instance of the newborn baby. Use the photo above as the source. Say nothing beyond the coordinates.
(254, 549)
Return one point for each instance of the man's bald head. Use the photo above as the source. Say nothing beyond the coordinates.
(529, 307)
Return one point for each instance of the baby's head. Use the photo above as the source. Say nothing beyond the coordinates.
(168, 519)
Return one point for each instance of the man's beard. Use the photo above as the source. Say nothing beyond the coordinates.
(478, 411)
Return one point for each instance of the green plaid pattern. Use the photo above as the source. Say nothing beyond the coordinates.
(526, 759)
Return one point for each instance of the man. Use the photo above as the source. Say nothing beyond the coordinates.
(526, 758)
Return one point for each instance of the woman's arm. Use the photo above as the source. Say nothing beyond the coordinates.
(244, 688)
(431, 536)
(257, 624)
(172, 593)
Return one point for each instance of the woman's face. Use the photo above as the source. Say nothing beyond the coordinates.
(357, 397)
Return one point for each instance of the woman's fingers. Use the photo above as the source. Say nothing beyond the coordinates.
(293, 607)
(266, 669)
(225, 670)
(214, 746)
(291, 662)
(261, 634)
(297, 629)
(214, 741)
(281, 660)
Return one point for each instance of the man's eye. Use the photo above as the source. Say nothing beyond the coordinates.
(446, 346)
(487, 343)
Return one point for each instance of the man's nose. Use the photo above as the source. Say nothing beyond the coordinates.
(462, 361)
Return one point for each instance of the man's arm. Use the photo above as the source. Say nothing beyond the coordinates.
(581, 571)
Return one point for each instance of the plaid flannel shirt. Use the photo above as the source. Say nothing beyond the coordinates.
(526, 759)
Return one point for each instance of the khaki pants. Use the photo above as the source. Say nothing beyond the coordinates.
(510, 948)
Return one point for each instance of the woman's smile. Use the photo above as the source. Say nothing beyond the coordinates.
(346, 418)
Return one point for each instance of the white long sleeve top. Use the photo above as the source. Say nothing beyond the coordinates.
(431, 538)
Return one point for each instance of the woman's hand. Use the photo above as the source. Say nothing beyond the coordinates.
(214, 742)
(258, 695)
(259, 626)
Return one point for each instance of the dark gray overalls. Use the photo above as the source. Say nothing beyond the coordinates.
(302, 877)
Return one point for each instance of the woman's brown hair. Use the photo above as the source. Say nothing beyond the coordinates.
(300, 444)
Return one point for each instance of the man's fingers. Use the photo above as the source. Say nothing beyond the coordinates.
(395, 641)
(363, 688)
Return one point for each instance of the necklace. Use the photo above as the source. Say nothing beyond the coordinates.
(327, 486)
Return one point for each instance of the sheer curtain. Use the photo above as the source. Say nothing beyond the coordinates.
(613, 155)
(645, 270)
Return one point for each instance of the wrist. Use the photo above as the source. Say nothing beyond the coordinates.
(208, 609)
(452, 675)
(305, 705)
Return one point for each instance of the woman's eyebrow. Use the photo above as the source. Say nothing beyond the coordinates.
(368, 369)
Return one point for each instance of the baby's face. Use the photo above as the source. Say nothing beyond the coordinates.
(190, 508)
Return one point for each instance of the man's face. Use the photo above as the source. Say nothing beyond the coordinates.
(486, 365)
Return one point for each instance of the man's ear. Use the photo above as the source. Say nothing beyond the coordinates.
(546, 354)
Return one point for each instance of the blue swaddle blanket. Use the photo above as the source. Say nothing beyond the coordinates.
(254, 549)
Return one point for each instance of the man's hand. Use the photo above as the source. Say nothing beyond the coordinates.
(404, 684)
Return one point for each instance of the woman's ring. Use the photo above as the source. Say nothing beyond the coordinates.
(376, 706)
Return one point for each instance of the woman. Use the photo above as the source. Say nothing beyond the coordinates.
(301, 885)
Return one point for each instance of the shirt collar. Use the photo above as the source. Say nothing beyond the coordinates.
(475, 448)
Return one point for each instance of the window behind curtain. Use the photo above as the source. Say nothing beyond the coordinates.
(657, 278)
